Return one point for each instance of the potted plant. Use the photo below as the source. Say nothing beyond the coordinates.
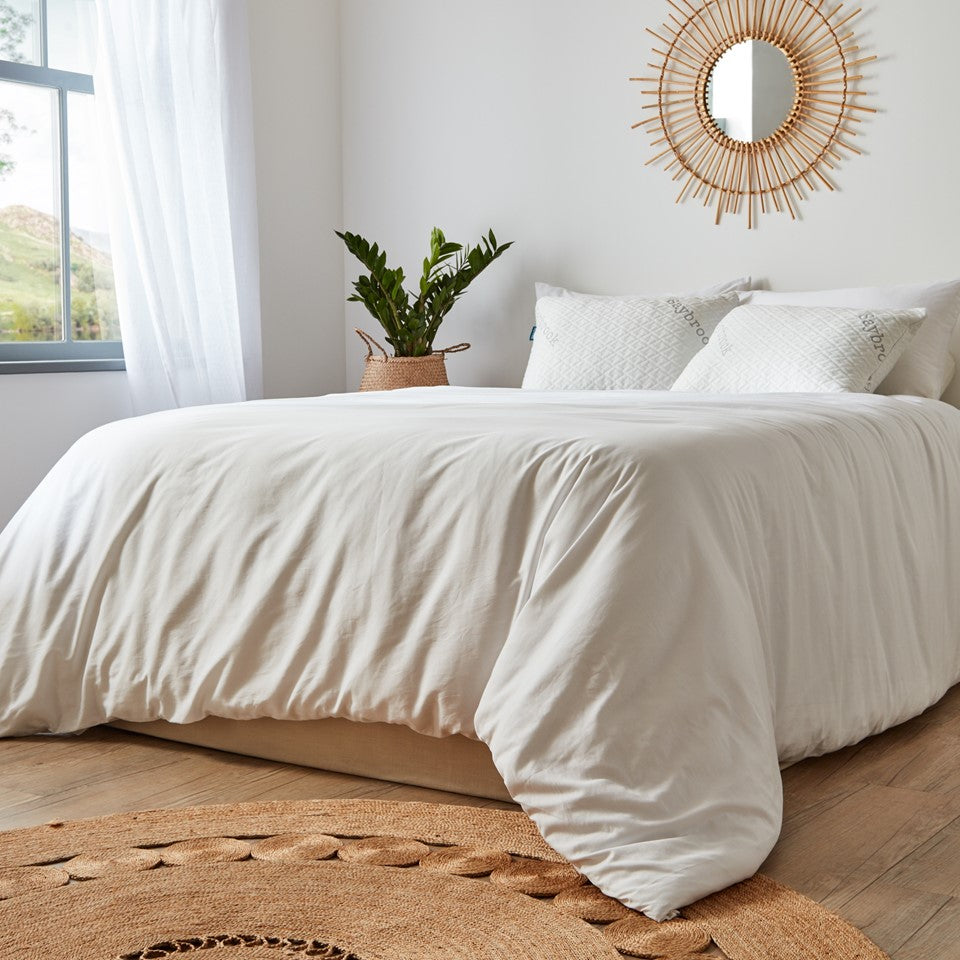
(412, 321)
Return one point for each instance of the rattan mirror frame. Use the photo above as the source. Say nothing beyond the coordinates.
(773, 172)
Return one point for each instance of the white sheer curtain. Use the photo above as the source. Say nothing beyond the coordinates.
(173, 90)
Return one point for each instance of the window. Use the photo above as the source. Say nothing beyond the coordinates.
(58, 308)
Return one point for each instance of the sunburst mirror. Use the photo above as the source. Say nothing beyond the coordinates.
(754, 101)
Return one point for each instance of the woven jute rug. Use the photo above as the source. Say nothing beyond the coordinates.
(360, 880)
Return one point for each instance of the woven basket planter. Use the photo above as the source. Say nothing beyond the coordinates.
(398, 373)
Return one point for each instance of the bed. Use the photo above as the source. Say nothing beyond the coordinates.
(381, 751)
(640, 604)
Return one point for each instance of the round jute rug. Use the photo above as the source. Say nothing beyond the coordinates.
(360, 880)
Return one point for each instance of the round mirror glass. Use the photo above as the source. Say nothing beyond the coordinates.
(751, 91)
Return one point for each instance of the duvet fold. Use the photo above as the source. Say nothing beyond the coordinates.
(642, 602)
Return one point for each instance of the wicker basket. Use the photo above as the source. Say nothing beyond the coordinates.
(396, 373)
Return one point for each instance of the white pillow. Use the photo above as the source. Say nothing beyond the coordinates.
(801, 350)
(627, 343)
(732, 286)
(927, 366)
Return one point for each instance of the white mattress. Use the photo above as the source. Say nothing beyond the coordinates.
(639, 601)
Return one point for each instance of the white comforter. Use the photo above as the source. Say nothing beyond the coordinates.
(639, 601)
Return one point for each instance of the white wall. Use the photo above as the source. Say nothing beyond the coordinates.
(41, 415)
(515, 114)
(295, 49)
(296, 85)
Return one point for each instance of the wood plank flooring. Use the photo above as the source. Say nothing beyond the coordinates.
(873, 831)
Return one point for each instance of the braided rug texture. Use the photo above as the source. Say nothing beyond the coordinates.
(361, 880)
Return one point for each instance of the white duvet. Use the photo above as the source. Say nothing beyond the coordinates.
(639, 601)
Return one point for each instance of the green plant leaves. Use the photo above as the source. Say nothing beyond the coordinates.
(448, 271)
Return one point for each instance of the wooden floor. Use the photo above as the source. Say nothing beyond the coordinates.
(873, 832)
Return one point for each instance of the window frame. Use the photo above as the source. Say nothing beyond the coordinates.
(67, 355)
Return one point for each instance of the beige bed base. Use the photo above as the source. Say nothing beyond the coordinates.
(378, 750)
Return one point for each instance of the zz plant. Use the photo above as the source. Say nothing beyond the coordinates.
(412, 321)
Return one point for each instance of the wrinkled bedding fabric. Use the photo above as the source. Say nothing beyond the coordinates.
(639, 601)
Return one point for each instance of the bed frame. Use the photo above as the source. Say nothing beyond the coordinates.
(381, 751)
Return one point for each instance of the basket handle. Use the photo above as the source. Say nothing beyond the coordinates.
(459, 348)
(371, 343)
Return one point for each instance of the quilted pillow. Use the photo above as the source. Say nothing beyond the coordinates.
(741, 285)
(623, 343)
(927, 366)
(801, 350)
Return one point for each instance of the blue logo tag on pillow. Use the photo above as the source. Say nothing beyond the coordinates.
(533, 333)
